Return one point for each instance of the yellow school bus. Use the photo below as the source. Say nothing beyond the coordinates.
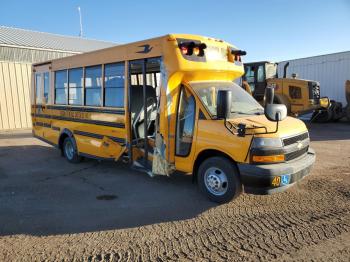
(169, 104)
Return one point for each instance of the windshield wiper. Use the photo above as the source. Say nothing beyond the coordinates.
(249, 112)
(240, 113)
(257, 110)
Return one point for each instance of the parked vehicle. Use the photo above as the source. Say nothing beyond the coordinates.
(299, 95)
(169, 104)
(347, 95)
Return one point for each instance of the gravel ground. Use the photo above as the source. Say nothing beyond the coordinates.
(51, 210)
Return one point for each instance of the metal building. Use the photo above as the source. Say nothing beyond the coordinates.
(20, 48)
(331, 70)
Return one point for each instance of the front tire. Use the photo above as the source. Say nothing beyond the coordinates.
(70, 150)
(218, 179)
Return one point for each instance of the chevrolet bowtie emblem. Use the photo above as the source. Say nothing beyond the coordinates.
(300, 144)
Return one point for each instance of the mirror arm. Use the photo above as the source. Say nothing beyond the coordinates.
(241, 129)
(229, 128)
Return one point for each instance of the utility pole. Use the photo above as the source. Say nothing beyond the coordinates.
(81, 23)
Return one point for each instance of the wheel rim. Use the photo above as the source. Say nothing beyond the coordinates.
(216, 181)
(69, 150)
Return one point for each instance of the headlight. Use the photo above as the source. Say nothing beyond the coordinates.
(259, 142)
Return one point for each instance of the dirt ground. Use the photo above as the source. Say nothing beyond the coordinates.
(52, 210)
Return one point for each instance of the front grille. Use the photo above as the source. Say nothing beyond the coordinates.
(294, 139)
(296, 154)
(314, 90)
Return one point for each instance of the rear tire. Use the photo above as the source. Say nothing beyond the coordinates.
(70, 150)
(337, 111)
(347, 112)
(322, 116)
(218, 179)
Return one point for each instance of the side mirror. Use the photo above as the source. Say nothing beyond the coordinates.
(273, 112)
(223, 104)
(269, 95)
(325, 102)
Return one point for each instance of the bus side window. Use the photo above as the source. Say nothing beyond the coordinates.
(114, 85)
(185, 123)
(38, 79)
(75, 93)
(61, 86)
(93, 85)
(46, 86)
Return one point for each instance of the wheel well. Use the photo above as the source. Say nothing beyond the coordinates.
(205, 154)
(61, 140)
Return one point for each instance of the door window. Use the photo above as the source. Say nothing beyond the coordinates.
(185, 122)
(250, 74)
(260, 75)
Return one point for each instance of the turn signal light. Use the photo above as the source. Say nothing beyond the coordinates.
(268, 159)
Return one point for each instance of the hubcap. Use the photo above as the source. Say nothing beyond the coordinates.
(69, 150)
(215, 181)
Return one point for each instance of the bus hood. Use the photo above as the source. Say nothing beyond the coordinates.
(289, 126)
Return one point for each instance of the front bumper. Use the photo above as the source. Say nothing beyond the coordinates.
(272, 178)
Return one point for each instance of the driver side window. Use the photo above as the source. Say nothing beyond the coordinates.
(185, 122)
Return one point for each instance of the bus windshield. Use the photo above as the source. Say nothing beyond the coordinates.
(242, 102)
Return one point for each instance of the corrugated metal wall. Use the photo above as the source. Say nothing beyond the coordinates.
(15, 81)
(16, 54)
(14, 95)
(330, 70)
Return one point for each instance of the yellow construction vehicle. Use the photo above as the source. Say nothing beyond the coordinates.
(347, 95)
(299, 95)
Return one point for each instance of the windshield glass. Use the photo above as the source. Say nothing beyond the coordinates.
(242, 102)
(271, 70)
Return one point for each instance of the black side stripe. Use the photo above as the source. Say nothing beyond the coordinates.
(86, 121)
(82, 133)
(83, 109)
(117, 139)
(46, 141)
(98, 136)
(42, 124)
(55, 128)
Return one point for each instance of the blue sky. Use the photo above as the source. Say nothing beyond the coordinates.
(267, 29)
